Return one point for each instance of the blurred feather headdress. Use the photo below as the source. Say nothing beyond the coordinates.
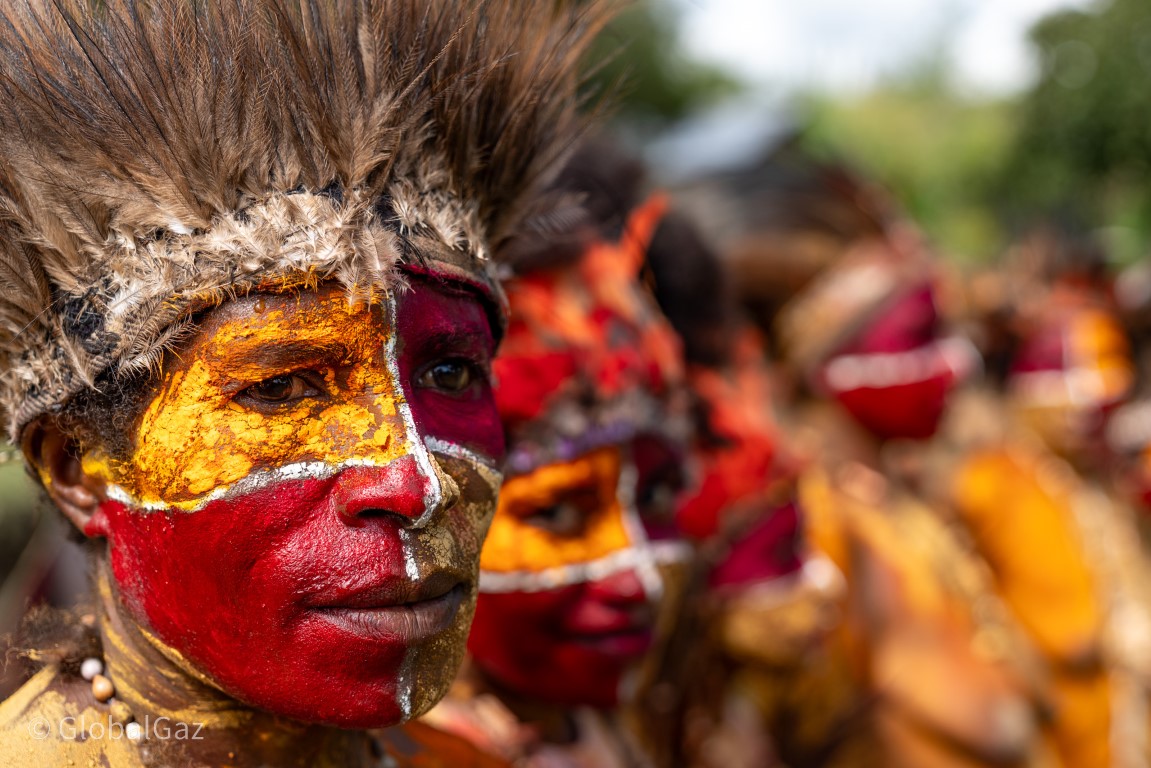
(157, 156)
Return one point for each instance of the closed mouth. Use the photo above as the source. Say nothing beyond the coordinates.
(623, 643)
(408, 622)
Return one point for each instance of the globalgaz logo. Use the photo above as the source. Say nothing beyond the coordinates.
(82, 728)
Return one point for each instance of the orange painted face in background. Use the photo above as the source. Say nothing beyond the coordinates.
(578, 569)
(301, 518)
(571, 582)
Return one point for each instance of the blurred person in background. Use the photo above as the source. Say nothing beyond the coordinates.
(848, 295)
(1037, 492)
(1129, 426)
(583, 569)
(758, 682)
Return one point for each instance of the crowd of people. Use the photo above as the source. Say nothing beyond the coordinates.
(384, 455)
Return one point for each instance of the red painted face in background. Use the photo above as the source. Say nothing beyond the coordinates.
(894, 377)
(301, 519)
(575, 588)
(769, 603)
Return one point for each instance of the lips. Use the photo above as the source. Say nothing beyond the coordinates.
(611, 631)
(626, 643)
(408, 611)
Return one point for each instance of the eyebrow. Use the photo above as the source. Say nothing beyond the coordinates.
(284, 354)
(453, 339)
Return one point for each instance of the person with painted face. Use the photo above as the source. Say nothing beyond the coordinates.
(247, 322)
(757, 616)
(582, 566)
(931, 670)
(1082, 595)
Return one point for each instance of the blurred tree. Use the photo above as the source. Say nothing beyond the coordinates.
(640, 57)
(1083, 150)
(937, 150)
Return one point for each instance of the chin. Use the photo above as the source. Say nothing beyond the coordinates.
(576, 678)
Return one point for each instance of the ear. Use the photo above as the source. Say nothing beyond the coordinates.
(55, 457)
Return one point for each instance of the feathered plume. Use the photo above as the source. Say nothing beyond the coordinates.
(158, 155)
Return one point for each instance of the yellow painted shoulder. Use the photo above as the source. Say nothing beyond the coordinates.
(42, 725)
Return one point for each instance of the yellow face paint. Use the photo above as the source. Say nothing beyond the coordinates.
(584, 490)
(1097, 346)
(208, 429)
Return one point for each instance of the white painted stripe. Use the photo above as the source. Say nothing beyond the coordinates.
(404, 683)
(302, 470)
(411, 565)
(457, 451)
(653, 553)
(891, 369)
(485, 466)
(434, 495)
(646, 568)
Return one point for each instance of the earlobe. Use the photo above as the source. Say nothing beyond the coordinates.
(55, 457)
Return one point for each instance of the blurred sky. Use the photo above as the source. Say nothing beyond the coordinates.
(845, 45)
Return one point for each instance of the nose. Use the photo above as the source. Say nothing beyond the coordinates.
(621, 588)
(402, 488)
(618, 602)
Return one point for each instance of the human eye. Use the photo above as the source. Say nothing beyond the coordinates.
(563, 519)
(453, 375)
(569, 514)
(280, 390)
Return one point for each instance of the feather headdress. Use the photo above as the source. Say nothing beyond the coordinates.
(157, 156)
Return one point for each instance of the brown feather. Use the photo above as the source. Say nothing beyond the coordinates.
(162, 153)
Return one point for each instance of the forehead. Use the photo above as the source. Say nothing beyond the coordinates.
(328, 315)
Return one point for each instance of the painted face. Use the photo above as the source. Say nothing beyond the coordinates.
(895, 375)
(772, 600)
(737, 456)
(302, 517)
(1069, 375)
(570, 582)
(588, 359)
(574, 587)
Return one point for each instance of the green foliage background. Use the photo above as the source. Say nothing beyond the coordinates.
(972, 170)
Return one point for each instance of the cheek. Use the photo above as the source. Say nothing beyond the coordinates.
(474, 422)
(529, 653)
(522, 641)
(228, 587)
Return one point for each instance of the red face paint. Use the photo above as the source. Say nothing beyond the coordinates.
(894, 378)
(334, 582)
(567, 607)
(571, 645)
(769, 550)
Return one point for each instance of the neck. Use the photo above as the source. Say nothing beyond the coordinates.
(154, 682)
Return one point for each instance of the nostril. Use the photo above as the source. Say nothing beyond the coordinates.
(399, 488)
